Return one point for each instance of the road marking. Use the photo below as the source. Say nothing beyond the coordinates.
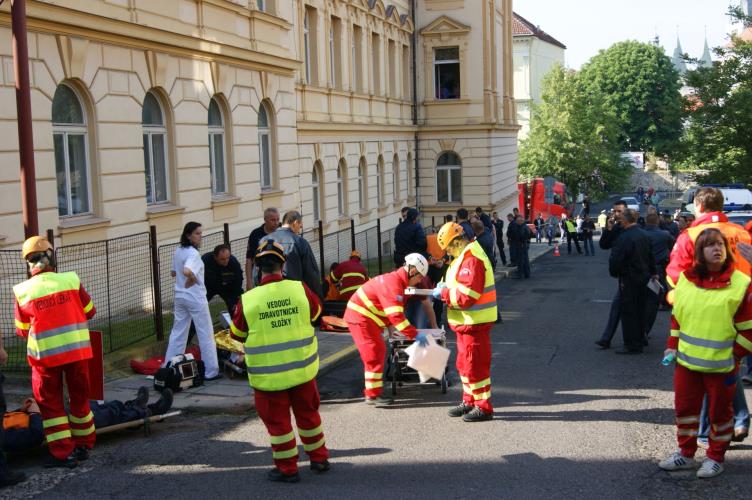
(332, 358)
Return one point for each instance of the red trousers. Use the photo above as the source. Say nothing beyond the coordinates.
(689, 389)
(474, 366)
(63, 432)
(274, 409)
(372, 349)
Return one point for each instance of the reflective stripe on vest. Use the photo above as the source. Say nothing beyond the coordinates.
(484, 310)
(368, 309)
(706, 318)
(281, 350)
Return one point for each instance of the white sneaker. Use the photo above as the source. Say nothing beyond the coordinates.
(677, 461)
(709, 468)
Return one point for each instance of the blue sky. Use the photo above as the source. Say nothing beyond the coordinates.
(586, 26)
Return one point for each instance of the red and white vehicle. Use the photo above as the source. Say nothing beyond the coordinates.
(544, 195)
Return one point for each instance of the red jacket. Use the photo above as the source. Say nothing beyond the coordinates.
(381, 300)
(472, 275)
(349, 275)
(55, 313)
(742, 318)
(683, 254)
(238, 317)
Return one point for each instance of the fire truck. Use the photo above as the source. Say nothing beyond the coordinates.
(544, 195)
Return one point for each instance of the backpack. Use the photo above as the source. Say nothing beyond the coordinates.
(181, 372)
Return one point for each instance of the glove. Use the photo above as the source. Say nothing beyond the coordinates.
(437, 291)
(421, 339)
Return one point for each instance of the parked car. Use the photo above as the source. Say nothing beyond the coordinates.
(632, 203)
(740, 217)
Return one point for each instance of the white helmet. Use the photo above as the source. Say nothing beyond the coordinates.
(418, 262)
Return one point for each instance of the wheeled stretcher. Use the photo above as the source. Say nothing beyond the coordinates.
(397, 371)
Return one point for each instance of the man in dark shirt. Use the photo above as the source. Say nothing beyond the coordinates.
(223, 276)
(409, 237)
(271, 223)
(632, 263)
(499, 229)
(485, 240)
(462, 220)
(539, 224)
(608, 237)
(522, 244)
(484, 218)
(511, 237)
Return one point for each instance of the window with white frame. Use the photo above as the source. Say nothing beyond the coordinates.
(396, 178)
(446, 64)
(70, 138)
(316, 192)
(362, 184)
(155, 150)
(266, 156)
(342, 188)
(449, 178)
(217, 149)
(356, 55)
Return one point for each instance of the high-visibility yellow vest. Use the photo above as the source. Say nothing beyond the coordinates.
(281, 350)
(706, 319)
(570, 226)
(484, 309)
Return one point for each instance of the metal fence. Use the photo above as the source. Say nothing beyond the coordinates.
(129, 279)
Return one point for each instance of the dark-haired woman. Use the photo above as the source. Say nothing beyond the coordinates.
(190, 301)
(711, 330)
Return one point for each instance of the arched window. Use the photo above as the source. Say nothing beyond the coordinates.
(266, 146)
(342, 188)
(69, 135)
(409, 174)
(449, 178)
(155, 150)
(396, 178)
(362, 184)
(317, 191)
(217, 149)
(380, 181)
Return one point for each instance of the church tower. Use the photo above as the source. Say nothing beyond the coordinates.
(678, 60)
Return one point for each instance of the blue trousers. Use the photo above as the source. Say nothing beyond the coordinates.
(416, 315)
(741, 411)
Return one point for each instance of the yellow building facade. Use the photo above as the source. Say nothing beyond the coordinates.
(157, 113)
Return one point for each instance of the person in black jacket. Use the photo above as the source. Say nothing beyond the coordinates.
(511, 240)
(662, 242)
(608, 237)
(632, 262)
(223, 276)
(521, 241)
(499, 228)
(409, 237)
(485, 240)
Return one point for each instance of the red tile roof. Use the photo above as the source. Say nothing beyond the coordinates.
(523, 27)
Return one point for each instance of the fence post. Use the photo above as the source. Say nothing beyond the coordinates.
(226, 233)
(321, 251)
(155, 281)
(51, 237)
(109, 294)
(433, 222)
(378, 244)
(352, 234)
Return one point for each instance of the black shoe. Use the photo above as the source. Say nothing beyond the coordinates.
(66, 463)
(602, 344)
(81, 453)
(320, 467)
(142, 397)
(216, 377)
(11, 477)
(628, 351)
(164, 403)
(459, 410)
(379, 401)
(477, 415)
(276, 476)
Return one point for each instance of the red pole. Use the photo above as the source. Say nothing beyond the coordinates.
(23, 106)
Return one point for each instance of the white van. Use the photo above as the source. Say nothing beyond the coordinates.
(735, 197)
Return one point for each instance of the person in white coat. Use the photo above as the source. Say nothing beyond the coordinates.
(191, 303)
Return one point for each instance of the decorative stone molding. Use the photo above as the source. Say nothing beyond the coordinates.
(73, 55)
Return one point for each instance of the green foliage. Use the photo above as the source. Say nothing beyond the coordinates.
(573, 137)
(641, 88)
(718, 136)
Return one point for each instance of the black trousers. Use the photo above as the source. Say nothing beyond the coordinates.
(570, 238)
(500, 245)
(633, 298)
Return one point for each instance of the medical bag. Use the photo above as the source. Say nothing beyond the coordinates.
(181, 372)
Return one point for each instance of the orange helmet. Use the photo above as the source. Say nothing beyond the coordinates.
(355, 253)
(35, 244)
(447, 233)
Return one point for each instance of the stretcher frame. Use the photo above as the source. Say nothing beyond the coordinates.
(396, 365)
(146, 422)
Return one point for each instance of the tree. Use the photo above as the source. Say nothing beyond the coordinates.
(641, 87)
(718, 136)
(573, 137)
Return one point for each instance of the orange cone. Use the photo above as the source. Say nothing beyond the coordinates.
(556, 250)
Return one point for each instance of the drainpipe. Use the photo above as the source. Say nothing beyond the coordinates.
(415, 103)
(23, 107)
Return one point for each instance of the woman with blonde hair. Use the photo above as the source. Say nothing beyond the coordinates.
(711, 331)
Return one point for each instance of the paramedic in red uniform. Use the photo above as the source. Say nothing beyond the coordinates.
(378, 303)
(51, 311)
(470, 296)
(274, 321)
(349, 275)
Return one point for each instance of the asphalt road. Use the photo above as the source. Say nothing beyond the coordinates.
(571, 422)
